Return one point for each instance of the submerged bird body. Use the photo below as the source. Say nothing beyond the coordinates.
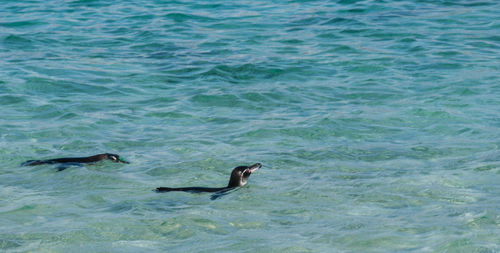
(76, 160)
(238, 178)
(190, 189)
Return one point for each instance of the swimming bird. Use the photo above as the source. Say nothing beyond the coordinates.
(76, 160)
(239, 177)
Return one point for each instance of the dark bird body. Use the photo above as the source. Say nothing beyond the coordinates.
(77, 160)
(238, 178)
(190, 189)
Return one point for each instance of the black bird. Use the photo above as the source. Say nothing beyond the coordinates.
(76, 160)
(239, 178)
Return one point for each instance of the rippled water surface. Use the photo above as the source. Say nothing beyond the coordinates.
(377, 122)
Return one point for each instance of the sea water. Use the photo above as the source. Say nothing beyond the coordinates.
(377, 124)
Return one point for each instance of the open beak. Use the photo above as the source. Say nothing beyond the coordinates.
(254, 167)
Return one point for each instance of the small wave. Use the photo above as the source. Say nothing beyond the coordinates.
(242, 72)
(182, 17)
(22, 24)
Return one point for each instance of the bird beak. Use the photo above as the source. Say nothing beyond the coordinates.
(121, 160)
(254, 167)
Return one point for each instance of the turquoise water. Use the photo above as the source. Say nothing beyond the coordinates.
(377, 123)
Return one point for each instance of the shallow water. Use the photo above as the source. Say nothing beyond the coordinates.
(377, 123)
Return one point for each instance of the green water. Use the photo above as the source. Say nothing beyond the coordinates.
(377, 124)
